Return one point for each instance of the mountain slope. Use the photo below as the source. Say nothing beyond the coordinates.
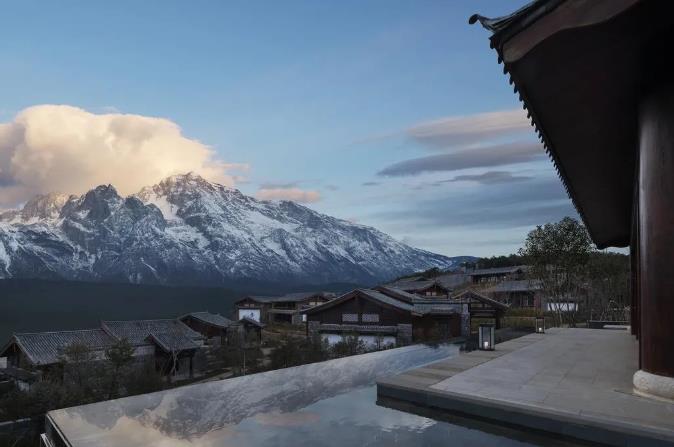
(186, 230)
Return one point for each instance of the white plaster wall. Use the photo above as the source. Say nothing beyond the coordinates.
(253, 314)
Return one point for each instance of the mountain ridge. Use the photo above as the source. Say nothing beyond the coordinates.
(187, 230)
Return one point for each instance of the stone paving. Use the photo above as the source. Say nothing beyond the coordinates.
(577, 382)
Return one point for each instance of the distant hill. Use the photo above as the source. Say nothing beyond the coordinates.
(43, 305)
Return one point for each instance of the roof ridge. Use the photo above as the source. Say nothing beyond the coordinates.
(58, 332)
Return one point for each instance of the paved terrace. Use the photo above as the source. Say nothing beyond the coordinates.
(574, 382)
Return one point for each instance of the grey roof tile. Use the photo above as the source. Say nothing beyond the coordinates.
(209, 318)
(45, 348)
(137, 331)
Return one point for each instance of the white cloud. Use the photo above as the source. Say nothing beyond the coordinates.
(294, 194)
(66, 149)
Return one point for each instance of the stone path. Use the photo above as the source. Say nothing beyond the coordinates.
(577, 382)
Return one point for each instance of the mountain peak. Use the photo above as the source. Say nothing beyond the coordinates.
(46, 206)
(187, 230)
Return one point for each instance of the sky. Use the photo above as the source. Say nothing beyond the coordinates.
(388, 113)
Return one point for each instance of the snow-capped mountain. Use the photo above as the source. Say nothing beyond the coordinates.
(186, 230)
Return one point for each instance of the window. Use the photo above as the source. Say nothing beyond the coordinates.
(370, 318)
(350, 318)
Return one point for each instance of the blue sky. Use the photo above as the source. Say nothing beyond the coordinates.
(330, 98)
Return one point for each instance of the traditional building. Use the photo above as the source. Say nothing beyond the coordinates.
(35, 356)
(439, 286)
(274, 309)
(522, 293)
(498, 274)
(171, 345)
(594, 79)
(481, 306)
(423, 287)
(218, 330)
(386, 317)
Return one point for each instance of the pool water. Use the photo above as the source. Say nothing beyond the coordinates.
(331, 403)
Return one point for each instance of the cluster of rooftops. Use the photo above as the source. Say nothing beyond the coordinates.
(418, 295)
(169, 335)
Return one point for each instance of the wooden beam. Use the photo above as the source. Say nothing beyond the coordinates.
(656, 231)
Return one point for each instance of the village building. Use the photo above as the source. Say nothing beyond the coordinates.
(387, 317)
(280, 309)
(480, 306)
(170, 343)
(176, 351)
(438, 286)
(498, 274)
(520, 293)
(31, 357)
(423, 287)
(218, 330)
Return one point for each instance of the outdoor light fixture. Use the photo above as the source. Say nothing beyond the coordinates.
(540, 325)
(486, 337)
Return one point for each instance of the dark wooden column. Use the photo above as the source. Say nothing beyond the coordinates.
(656, 231)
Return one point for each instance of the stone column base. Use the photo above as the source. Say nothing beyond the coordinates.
(653, 385)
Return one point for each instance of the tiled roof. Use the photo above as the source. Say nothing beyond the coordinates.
(378, 296)
(448, 281)
(453, 280)
(361, 328)
(44, 348)
(290, 297)
(137, 331)
(524, 285)
(478, 296)
(437, 308)
(173, 341)
(499, 270)
(209, 318)
(397, 293)
(250, 321)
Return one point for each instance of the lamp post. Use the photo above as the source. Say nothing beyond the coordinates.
(486, 337)
(540, 325)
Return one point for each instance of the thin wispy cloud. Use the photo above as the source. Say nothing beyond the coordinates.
(294, 194)
(489, 177)
(496, 155)
(461, 131)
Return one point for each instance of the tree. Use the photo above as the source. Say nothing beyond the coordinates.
(242, 351)
(558, 254)
(287, 352)
(351, 344)
(609, 284)
(82, 373)
(142, 379)
(120, 355)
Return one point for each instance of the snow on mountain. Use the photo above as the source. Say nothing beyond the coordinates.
(186, 230)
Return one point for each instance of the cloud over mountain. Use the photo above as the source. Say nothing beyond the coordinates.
(63, 148)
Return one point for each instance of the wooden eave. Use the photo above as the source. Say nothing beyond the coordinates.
(578, 67)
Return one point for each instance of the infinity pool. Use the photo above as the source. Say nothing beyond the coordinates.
(330, 403)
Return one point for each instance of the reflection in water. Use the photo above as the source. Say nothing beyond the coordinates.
(323, 404)
(193, 413)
